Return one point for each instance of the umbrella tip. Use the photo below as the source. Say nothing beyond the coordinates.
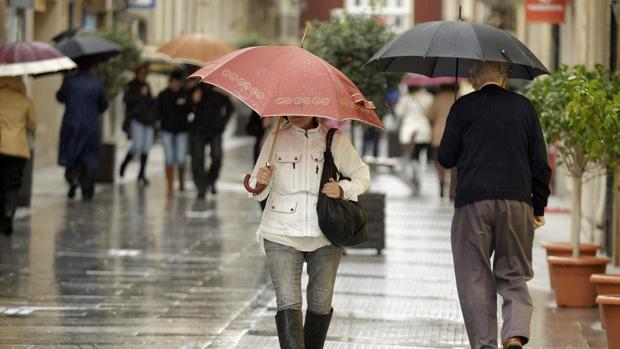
(303, 38)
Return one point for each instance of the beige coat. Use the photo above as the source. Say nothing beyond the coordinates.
(438, 114)
(16, 118)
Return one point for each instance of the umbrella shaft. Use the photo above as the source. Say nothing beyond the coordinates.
(275, 139)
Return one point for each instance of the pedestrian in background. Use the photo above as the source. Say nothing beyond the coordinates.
(211, 111)
(494, 138)
(85, 99)
(17, 120)
(289, 231)
(139, 121)
(438, 114)
(415, 129)
(171, 110)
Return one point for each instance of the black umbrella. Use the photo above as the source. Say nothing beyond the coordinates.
(449, 48)
(88, 48)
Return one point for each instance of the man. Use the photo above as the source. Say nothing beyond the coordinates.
(494, 138)
(212, 111)
(80, 134)
(17, 120)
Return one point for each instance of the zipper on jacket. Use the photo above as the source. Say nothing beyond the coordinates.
(317, 169)
(306, 133)
(293, 165)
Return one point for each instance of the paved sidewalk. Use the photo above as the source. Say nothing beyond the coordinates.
(135, 270)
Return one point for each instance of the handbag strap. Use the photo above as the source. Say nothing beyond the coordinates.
(328, 151)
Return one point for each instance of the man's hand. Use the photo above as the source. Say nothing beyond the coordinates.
(539, 221)
(332, 189)
(144, 91)
(264, 175)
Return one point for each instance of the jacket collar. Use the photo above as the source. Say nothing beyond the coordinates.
(312, 131)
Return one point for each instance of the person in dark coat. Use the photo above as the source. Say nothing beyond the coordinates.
(211, 111)
(494, 138)
(139, 119)
(171, 111)
(85, 99)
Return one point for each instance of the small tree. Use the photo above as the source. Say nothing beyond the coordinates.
(346, 43)
(576, 109)
(113, 72)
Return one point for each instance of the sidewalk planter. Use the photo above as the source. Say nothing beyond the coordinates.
(572, 279)
(605, 284)
(374, 205)
(565, 249)
(611, 304)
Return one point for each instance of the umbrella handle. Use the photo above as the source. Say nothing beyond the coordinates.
(256, 190)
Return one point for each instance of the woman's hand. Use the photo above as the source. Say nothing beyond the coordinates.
(264, 175)
(332, 189)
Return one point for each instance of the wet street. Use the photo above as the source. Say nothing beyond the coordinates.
(133, 269)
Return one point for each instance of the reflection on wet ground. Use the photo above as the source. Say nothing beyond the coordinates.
(133, 269)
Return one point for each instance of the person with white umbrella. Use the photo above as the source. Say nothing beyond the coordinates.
(17, 120)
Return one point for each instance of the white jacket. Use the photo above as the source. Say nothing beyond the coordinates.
(297, 166)
(412, 110)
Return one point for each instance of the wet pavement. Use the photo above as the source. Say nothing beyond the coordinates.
(134, 270)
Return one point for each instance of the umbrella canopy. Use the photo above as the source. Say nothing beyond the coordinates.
(288, 80)
(197, 49)
(90, 47)
(449, 48)
(31, 58)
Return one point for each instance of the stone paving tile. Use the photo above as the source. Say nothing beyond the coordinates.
(135, 270)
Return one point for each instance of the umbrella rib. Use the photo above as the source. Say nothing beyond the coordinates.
(430, 42)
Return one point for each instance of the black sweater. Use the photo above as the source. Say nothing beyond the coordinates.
(494, 138)
(172, 109)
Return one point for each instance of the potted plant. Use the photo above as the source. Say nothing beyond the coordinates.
(572, 104)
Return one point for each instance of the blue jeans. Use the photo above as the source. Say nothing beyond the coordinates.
(286, 265)
(175, 147)
(141, 136)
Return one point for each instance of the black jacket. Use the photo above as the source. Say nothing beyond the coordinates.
(172, 109)
(494, 138)
(211, 114)
(137, 106)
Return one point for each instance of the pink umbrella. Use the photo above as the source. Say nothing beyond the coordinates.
(423, 80)
(31, 58)
(288, 80)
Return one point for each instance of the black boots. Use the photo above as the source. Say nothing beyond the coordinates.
(315, 329)
(126, 162)
(290, 329)
(142, 175)
(293, 335)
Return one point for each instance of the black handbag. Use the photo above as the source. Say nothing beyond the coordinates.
(343, 222)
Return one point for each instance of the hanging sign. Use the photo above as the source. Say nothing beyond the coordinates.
(545, 11)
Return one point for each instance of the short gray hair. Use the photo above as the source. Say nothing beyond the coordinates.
(489, 70)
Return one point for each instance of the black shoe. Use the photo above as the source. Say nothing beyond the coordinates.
(290, 329)
(7, 227)
(213, 189)
(202, 194)
(72, 190)
(315, 329)
(143, 181)
(441, 190)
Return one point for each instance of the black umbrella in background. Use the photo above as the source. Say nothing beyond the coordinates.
(88, 48)
(450, 48)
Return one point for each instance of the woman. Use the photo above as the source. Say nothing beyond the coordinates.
(139, 121)
(16, 121)
(438, 114)
(415, 127)
(289, 231)
(85, 99)
(172, 108)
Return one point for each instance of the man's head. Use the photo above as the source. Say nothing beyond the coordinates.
(142, 71)
(176, 80)
(485, 72)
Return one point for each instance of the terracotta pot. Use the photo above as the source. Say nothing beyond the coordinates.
(572, 279)
(611, 304)
(605, 284)
(565, 249)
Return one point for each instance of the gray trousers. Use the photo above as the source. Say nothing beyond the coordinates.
(286, 265)
(503, 229)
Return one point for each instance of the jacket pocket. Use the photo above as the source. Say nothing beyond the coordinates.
(288, 171)
(284, 206)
